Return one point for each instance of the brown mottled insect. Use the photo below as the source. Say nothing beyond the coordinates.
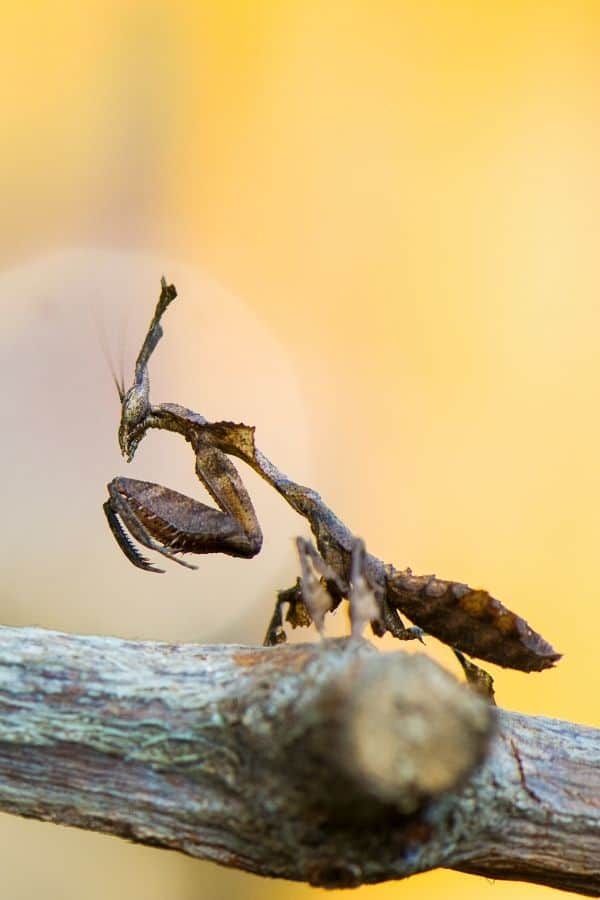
(160, 519)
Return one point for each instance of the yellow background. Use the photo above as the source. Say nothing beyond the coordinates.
(401, 204)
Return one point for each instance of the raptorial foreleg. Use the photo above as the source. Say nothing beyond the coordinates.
(168, 522)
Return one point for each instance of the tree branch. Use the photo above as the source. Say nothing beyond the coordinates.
(327, 763)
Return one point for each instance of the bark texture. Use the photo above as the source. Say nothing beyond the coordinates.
(327, 763)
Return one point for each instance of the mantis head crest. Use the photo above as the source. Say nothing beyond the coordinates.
(135, 403)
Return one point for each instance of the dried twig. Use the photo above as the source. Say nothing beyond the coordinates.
(328, 763)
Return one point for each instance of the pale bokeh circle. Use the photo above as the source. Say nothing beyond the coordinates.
(61, 567)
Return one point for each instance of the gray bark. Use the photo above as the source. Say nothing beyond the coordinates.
(329, 763)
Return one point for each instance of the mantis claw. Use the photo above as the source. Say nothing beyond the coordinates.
(127, 545)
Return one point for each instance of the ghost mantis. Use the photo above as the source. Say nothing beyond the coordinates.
(160, 519)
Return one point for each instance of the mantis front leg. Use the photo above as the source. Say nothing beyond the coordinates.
(160, 518)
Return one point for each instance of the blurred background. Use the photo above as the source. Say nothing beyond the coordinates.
(383, 222)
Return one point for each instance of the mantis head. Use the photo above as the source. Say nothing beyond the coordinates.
(135, 407)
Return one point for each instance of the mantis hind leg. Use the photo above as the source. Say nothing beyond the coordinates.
(319, 590)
